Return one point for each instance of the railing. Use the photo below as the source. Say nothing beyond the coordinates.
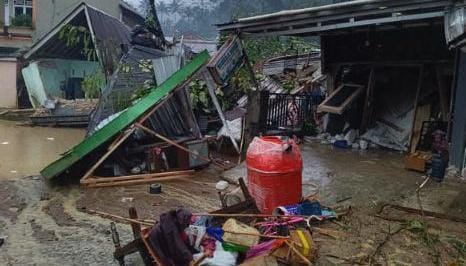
(288, 112)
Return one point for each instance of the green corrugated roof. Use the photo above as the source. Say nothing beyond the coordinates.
(125, 119)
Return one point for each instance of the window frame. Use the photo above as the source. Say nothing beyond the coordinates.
(24, 7)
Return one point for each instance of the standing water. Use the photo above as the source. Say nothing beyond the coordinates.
(26, 151)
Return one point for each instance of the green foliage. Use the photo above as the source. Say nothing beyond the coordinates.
(92, 84)
(460, 248)
(260, 49)
(22, 21)
(422, 230)
(143, 90)
(200, 98)
(241, 80)
(199, 95)
(76, 36)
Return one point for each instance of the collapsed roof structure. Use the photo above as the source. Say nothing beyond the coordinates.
(409, 87)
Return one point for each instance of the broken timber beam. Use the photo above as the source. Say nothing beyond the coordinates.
(155, 134)
(110, 150)
(211, 89)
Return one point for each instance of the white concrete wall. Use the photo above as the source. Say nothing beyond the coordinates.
(8, 79)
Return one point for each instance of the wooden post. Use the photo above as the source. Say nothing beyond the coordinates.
(443, 93)
(369, 105)
(254, 110)
(418, 92)
(211, 88)
(136, 227)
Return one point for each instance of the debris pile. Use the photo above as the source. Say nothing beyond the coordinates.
(180, 237)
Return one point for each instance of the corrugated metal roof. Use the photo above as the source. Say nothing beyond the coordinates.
(124, 120)
(118, 93)
(171, 119)
(103, 26)
(335, 17)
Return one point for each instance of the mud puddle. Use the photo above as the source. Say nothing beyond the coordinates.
(27, 150)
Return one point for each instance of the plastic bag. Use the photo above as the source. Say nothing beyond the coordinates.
(221, 257)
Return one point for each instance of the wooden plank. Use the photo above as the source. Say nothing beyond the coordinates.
(136, 228)
(155, 134)
(134, 177)
(324, 107)
(111, 149)
(416, 100)
(368, 105)
(422, 114)
(211, 89)
(443, 93)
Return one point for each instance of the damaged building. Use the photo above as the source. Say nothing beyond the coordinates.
(86, 44)
(24, 23)
(392, 77)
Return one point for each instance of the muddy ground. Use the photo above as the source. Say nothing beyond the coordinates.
(44, 225)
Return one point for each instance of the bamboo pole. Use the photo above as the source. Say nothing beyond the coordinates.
(136, 182)
(135, 177)
(306, 260)
(200, 260)
(254, 234)
(251, 215)
(113, 216)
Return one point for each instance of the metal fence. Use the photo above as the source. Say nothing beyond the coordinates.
(288, 112)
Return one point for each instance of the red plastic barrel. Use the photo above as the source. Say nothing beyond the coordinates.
(274, 172)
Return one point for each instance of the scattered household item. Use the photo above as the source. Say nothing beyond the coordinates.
(274, 172)
(220, 258)
(417, 161)
(307, 208)
(351, 136)
(363, 144)
(155, 188)
(341, 144)
(306, 247)
(247, 236)
(221, 185)
(264, 248)
(438, 168)
(167, 237)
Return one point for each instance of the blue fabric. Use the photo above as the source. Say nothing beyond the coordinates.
(310, 208)
(215, 232)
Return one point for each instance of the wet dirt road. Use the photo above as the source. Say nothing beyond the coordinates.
(45, 225)
(27, 150)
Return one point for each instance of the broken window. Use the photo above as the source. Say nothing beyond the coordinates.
(341, 99)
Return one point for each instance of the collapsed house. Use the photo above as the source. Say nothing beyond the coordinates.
(383, 80)
(150, 137)
(86, 44)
